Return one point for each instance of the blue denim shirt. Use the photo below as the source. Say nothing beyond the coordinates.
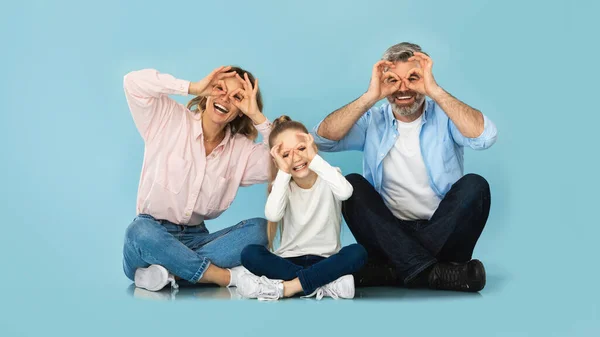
(375, 134)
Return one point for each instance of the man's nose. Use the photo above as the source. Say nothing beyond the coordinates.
(403, 86)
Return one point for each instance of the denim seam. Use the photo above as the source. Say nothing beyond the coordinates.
(419, 270)
(302, 279)
(198, 275)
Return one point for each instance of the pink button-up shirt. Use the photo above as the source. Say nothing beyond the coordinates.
(179, 183)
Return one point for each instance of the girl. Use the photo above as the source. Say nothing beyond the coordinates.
(195, 159)
(307, 193)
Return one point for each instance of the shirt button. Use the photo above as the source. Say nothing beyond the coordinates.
(187, 214)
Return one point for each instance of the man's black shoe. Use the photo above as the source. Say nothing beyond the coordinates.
(468, 276)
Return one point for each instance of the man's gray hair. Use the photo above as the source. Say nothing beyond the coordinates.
(401, 52)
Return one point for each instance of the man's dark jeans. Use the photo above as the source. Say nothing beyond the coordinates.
(412, 246)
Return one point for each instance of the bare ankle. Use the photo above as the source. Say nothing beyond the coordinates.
(216, 275)
(291, 288)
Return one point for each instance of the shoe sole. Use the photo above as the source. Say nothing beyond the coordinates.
(144, 278)
(479, 265)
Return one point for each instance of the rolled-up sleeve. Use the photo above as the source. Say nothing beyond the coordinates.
(484, 141)
(353, 140)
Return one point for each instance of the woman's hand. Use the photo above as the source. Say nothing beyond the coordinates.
(213, 84)
(245, 99)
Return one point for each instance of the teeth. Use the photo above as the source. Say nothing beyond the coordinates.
(299, 167)
(403, 97)
(220, 107)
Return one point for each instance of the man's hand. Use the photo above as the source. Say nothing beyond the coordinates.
(420, 79)
(383, 82)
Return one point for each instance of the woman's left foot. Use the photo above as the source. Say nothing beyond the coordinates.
(154, 278)
(340, 288)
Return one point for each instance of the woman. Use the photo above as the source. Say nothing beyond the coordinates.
(196, 157)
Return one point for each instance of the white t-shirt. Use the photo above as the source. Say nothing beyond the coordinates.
(311, 217)
(405, 189)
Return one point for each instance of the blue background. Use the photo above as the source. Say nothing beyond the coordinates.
(71, 156)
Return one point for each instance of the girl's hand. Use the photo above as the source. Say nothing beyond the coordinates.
(311, 148)
(284, 164)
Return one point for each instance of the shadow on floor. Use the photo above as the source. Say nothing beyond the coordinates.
(495, 283)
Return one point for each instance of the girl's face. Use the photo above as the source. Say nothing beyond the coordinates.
(293, 150)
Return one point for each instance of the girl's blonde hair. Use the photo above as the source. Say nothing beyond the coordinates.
(280, 125)
(243, 124)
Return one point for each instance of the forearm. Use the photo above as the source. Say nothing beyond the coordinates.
(338, 123)
(258, 118)
(277, 200)
(338, 184)
(149, 83)
(468, 120)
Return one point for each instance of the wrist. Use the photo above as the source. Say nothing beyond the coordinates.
(315, 160)
(437, 93)
(193, 89)
(257, 118)
(369, 99)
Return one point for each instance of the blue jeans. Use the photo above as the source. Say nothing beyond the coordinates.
(313, 271)
(187, 251)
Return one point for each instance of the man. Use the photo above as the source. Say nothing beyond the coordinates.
(416, 214)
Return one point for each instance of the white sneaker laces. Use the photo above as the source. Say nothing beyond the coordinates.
(174, 285)
(326, 290)
(267, 289)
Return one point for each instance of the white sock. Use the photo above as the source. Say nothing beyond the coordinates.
(235, 273)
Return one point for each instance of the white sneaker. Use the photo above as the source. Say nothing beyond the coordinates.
(340, 288)
(233, 293)
(154, 278)
(235, 274)
(252, 286)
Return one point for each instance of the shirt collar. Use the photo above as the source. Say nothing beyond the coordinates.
(198, 131)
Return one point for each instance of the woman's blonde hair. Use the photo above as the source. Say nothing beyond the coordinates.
(243, 124)
(280, 125)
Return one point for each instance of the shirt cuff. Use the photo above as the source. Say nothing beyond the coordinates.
(489, 130)
(180, 87)
(487, 138)
(320, 141)
(282, 177)
(264, 129)
(317, 164)
(263, 126)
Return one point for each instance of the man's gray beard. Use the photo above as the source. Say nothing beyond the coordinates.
(408, 110)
